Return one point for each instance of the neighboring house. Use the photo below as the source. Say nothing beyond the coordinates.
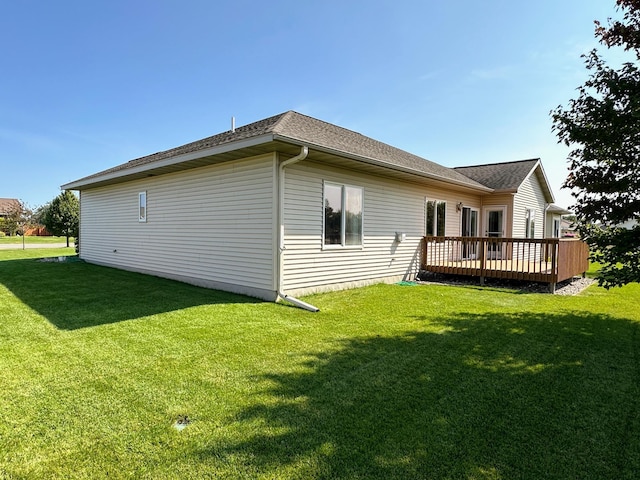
(568, 228)
(8, 206)
(629, 224)
(292, 205)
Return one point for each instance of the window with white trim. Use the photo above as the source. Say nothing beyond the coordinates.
(142, 206)
(530, 223)
(342, 215)
(435, 217)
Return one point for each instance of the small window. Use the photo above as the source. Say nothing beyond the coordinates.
(436, 216)
(342, 215)
(530, 223)
(142, 207)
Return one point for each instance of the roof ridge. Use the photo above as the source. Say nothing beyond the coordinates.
(225, 136)
(292, 113)
(294, 127)
(499, 163)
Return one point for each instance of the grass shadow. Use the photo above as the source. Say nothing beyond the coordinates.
(74, 295)
(482, 396)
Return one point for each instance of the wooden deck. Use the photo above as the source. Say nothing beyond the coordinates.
(549, 260)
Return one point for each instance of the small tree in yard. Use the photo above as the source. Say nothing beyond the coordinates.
(62, 215)
(19, 215)
(602, 126)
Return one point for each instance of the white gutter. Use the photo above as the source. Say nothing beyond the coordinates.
(112, 174)
(281, 246)
(381, 163)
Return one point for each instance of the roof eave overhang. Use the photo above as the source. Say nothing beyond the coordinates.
(557, 210)
(380, 163)
(546, 187)
(125, 173)
(505, 191)
(142, 170)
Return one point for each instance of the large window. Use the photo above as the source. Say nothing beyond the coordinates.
(342, 215)
(436, 216)
(530, 223)
(142, 207)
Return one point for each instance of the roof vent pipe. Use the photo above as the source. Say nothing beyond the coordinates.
(233, 124)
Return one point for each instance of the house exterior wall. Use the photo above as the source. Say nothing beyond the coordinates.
(211, 226)
(389, 206)
(530, 195)
(551, 218)
(495, 200)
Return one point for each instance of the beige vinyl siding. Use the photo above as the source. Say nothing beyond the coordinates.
(389, 206)
(548, 233)
(503, 199)
(211, 226)
(530, 195)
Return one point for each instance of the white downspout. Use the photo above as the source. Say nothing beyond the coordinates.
(281, 246)
(544, 220)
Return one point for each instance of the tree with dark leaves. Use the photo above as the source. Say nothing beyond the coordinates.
(62, 215)
(602, 127)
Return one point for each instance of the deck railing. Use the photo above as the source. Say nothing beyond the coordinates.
(549, 260)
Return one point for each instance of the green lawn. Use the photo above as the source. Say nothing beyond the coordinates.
(32, 240)
(390, 381)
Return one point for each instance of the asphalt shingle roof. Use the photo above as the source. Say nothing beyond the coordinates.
(310, 130)
(500, 176)
(7, 205)
(316, 133)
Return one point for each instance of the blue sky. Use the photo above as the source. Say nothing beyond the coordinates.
(87, 85)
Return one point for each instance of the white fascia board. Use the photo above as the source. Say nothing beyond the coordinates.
(546, 187)
(185, 157)
(380, 163)
(546, 180)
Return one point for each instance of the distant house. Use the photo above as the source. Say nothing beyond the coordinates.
(568, 228)
(292, 205)
(8, 206)
(629, 224)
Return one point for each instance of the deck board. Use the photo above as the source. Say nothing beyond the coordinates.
(539, 260)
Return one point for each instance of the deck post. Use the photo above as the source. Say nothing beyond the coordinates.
(483, 262)
(548, 260)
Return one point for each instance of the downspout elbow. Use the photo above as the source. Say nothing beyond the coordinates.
(304, 151)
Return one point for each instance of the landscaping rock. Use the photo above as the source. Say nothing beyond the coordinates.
(568, 287)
